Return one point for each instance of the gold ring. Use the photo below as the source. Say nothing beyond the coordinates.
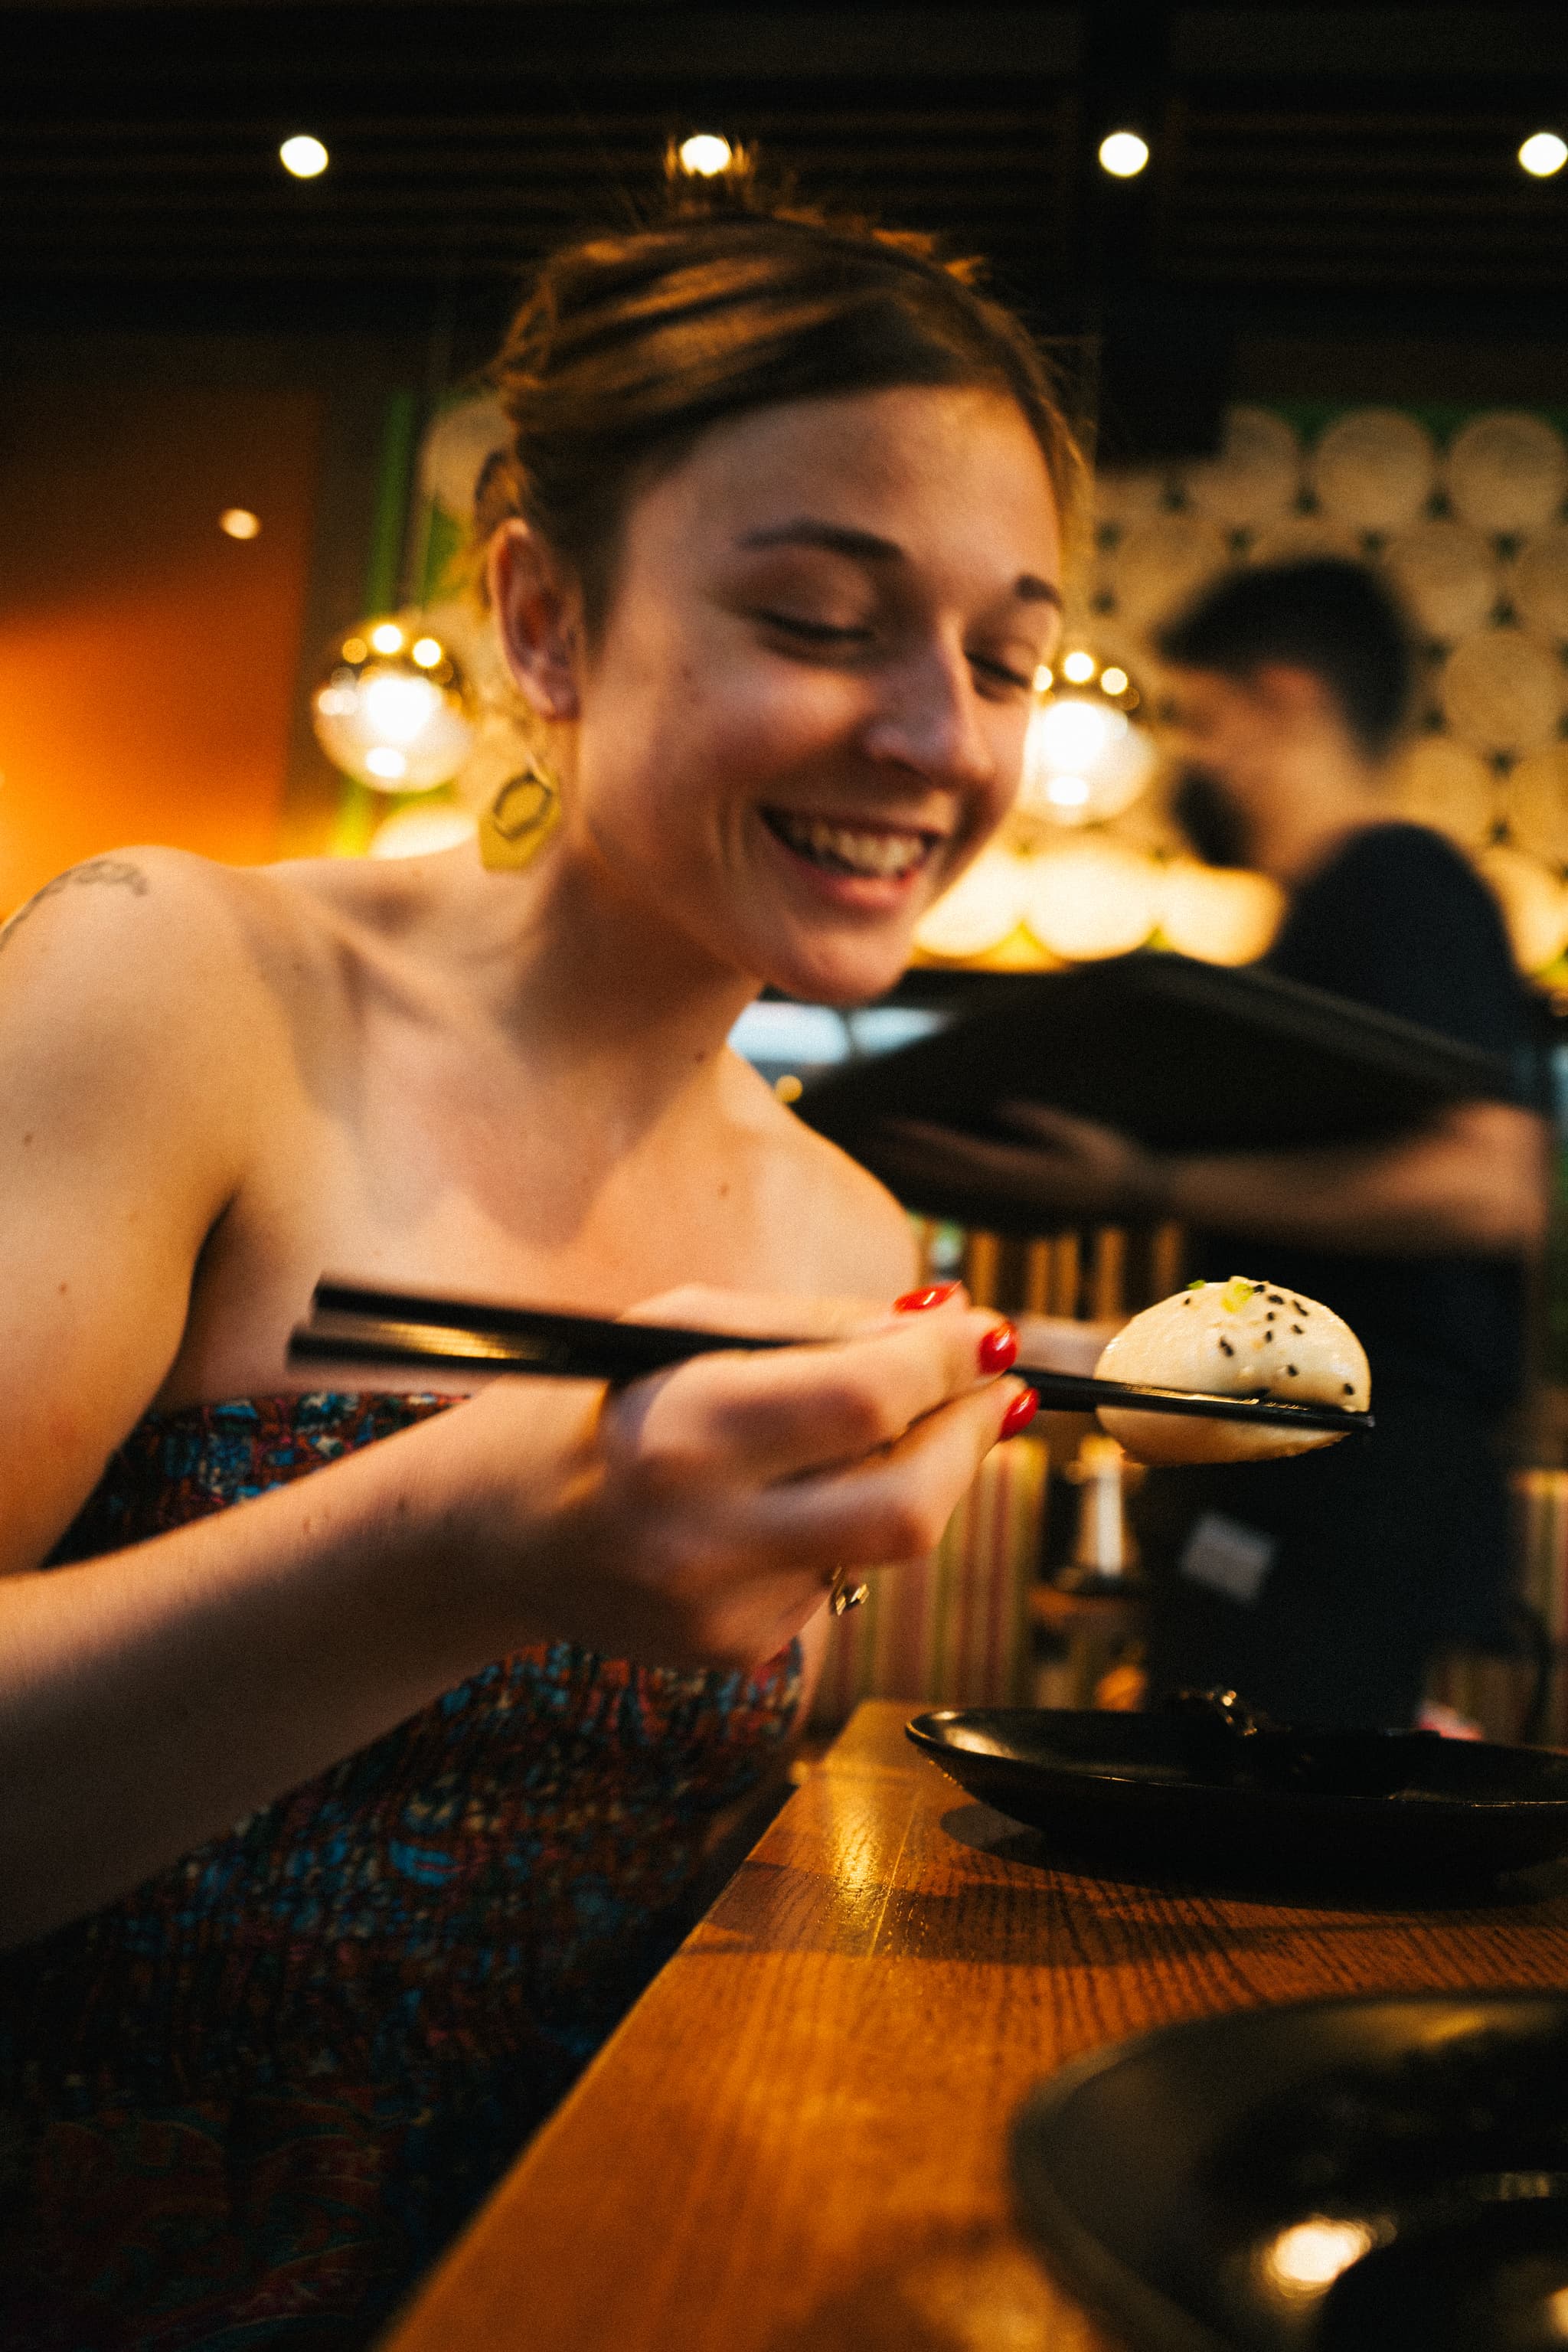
(845, 1597)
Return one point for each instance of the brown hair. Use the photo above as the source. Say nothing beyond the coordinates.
(629, 346)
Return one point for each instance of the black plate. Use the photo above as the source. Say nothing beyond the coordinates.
(1384, 2175)
(1161, 1792)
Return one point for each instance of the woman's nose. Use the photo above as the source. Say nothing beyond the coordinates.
(929, 720)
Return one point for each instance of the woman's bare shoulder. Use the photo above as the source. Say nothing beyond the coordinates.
(150, 943)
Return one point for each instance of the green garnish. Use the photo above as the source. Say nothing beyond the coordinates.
(1237, 1293)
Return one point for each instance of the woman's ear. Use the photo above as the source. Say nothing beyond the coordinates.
(537, 612)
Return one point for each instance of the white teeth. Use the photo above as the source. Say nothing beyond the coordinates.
(882, 854)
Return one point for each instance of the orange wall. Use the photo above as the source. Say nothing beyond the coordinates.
(148, 664)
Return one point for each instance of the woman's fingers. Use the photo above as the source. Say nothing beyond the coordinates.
(785, 1414)
(892, 1506)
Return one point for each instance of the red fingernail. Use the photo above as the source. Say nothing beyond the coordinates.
(937, 1295)
(1020, 1413)
(998, 1348)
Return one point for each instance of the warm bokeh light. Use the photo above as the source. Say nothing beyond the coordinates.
(238, 522)
(1123, 154)
(1113, 680)
(422, 831)
(387, 638)
(1310, 2257)
(705, 154)
(386, 762)
(303, 156)
(1219, 914)
(1045, 678)
(1543, 154)
(1079, 668)
(1094, 898)
(426, 651)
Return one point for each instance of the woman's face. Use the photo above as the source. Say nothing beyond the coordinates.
(806, 709)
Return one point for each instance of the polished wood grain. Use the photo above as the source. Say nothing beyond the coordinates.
(795, 2141)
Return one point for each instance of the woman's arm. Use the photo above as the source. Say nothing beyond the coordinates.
(150, 1698)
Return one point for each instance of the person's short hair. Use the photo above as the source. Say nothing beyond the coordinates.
(1323, 613)
(631, 344)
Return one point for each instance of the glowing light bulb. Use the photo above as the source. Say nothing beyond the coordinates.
(394, 716)
(1084, 759)
(1079, 668)
(303, 156)
(1543, 154)
(1123, 154)
(238, 522)
(705, 154)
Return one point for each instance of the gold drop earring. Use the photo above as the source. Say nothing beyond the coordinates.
(520, 819)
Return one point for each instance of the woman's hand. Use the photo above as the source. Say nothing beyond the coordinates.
(703, 1512)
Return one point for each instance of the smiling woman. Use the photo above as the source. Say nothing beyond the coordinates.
(774, 559)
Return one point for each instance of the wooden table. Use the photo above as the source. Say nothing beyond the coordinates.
(795, 2141)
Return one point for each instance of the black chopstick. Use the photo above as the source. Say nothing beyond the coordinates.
(395, 1329)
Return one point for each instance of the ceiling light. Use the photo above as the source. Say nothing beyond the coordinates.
(705, 154)
(303, 156)
(1123, 154)
(1543, 153)
(238, 522)
(398, 720)
(1085, 759)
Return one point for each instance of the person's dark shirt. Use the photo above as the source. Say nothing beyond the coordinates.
(1398, 921)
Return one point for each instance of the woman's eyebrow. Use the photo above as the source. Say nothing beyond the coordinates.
(868, 547)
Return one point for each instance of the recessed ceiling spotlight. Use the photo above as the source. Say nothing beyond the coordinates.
(238, 522)
(705, 154)
(1543, 153)
(1123, 154)
(303, 156)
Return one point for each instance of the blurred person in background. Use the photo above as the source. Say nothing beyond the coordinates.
(1320, 1588)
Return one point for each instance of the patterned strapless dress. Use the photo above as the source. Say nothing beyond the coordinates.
(245, 2107)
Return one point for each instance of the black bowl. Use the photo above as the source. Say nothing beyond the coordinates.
(1381, 2175)
(1165, 1792)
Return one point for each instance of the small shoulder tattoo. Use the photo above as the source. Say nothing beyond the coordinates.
(117, 872)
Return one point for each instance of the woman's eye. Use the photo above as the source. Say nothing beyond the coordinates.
(1003, 675)
(814, 632)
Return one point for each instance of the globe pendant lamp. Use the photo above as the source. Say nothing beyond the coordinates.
(393, 708)
(1086, 758)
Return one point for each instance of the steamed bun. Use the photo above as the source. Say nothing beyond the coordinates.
(1239, 1337)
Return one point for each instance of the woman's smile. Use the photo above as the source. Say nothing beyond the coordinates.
(855, 848)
